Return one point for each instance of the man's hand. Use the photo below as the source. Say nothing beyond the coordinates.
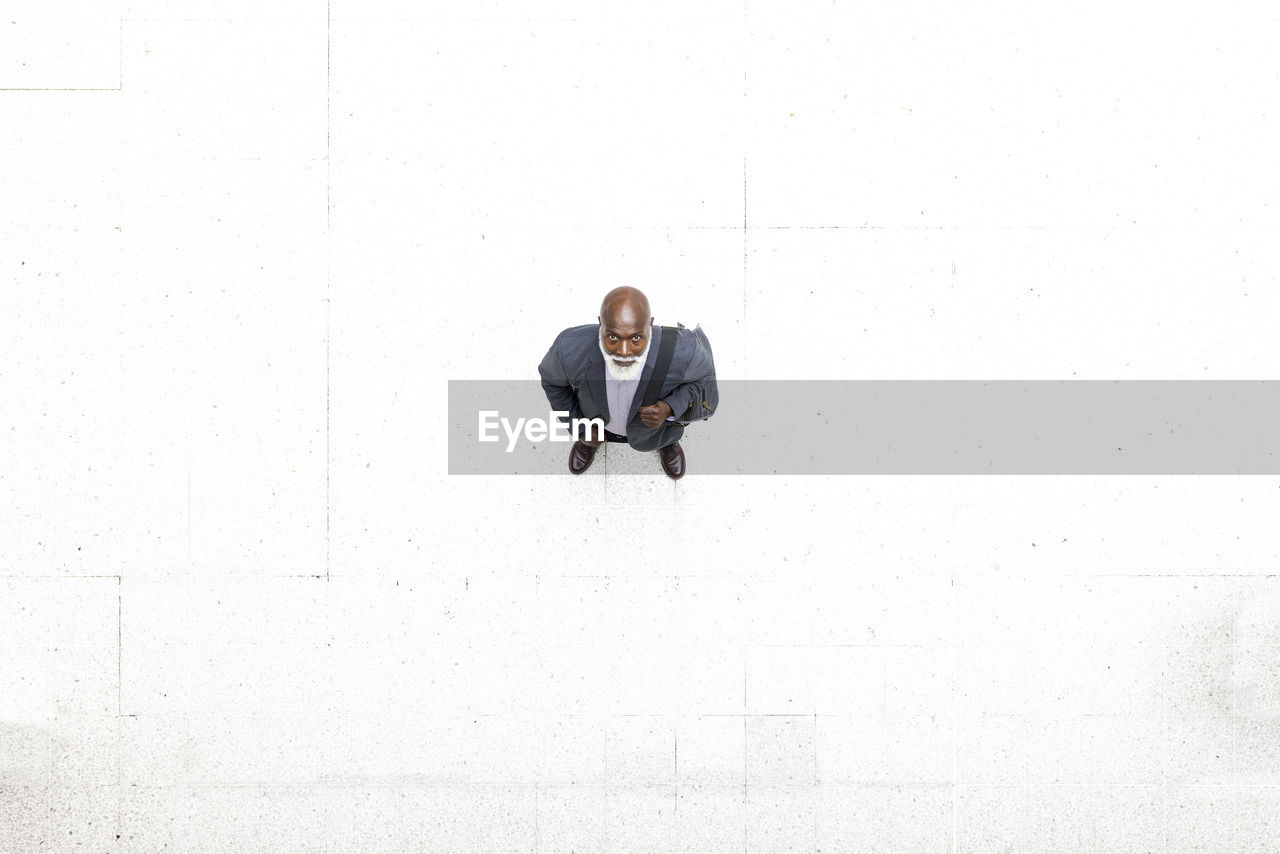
(653, 416)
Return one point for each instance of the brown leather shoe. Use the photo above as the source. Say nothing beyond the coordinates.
(672, 457)
(581, 456)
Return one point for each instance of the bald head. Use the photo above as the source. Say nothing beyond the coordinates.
(625, 301)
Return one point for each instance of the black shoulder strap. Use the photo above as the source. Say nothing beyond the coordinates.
(666, 349)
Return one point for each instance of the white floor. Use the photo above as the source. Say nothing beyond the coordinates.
(243, 607)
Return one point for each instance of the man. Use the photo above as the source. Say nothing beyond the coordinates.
(602, 371)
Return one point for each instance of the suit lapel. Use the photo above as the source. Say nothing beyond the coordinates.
(595, 382)
(650, 357)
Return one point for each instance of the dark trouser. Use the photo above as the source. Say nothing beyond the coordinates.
(610, 436)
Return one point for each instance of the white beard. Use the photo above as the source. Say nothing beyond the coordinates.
(619, 372)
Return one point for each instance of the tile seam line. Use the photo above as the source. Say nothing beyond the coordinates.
(328, 275)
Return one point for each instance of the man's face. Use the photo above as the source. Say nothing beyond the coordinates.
(624, 338)
(624, 342)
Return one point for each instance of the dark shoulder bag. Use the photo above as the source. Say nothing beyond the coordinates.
(703, 407)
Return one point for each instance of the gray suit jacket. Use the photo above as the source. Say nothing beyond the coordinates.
(573, 378)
